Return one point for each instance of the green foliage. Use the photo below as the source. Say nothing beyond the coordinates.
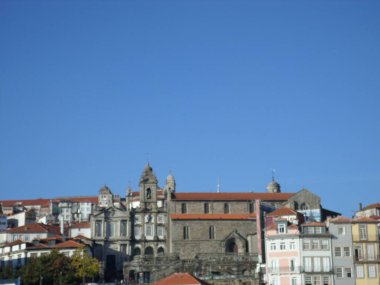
(55, 269)
(83, 265)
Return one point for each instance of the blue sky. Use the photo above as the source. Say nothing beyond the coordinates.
(92, 90)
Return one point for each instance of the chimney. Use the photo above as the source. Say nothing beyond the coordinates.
(360, 206)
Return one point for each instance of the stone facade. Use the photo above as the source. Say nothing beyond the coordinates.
(158, 231)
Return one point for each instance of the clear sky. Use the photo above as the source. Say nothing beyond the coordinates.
(92, 90)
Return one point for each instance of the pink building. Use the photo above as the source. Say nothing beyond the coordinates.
(282, 242)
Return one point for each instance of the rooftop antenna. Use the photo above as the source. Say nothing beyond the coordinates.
(218, 185)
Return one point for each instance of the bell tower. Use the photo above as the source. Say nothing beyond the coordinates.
(148, 188)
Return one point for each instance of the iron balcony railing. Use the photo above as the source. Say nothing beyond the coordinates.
(298, 269)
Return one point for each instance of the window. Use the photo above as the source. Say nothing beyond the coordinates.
(273, 246)
(308, 280)
(98, 228)
(110, 229)
(308, 266)
(206, 208)
(338, 251)
(282, 246)
(183, 208)
(185, 232)
(358, 253)
(325, 244)
(226, 208)
(363, 232)
(347, 251)
(326, 280)
(306, 244)
(339, 272)
(326, 264)
(123, 228)
(149, 230)
(251, 207)
(294, 280)
(318, 230)
(316, 280)
(359, 271)
(160, 231)
(281, 228)
(372, 271)
(341, 231)
(292, 245)
(314, 244)
(347, 272)
(292, 265)
(370, 252)
(317, 264)
(211, 232)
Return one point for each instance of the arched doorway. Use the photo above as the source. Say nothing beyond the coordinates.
(136, 251)
(160, 251)
(149, 251)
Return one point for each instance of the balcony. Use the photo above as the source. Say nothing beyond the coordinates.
(367, 259)
(298, 269)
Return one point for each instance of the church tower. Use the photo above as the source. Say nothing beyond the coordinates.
(148, 188)
(273, 187)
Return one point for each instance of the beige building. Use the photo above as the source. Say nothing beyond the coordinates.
(365, 241)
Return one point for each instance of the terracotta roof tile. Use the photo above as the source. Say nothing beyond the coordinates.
(340, 220)
(314, 224)
(212, 216)
(364, 220)
(237, 196)
(371, 206)
(79, 199)
(80, 225)
(69, 244)
(36, 228)
(180, 279)
(30, 202)
(285, 211)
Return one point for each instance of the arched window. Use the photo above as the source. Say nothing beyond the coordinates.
(136, 251)
(149, 250)
(304, 206)
(160, 251)
(148, 193)
(231, 246)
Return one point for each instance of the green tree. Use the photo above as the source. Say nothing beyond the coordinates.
(84, 265)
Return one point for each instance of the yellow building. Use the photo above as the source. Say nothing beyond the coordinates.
(365, 241)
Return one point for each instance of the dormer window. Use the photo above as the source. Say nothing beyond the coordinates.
(281, 228)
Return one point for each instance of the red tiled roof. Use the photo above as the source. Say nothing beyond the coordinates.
(80, 237)
(80, 225)
(212, 216)
(341, 220)
(80, 199)
(314, 224)
(35, 228)
(364, 220)
(31, 202)
(285, 211)
(68, 244)
(180, 279)
(371, 206)
(13, 243)
(237, 196)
